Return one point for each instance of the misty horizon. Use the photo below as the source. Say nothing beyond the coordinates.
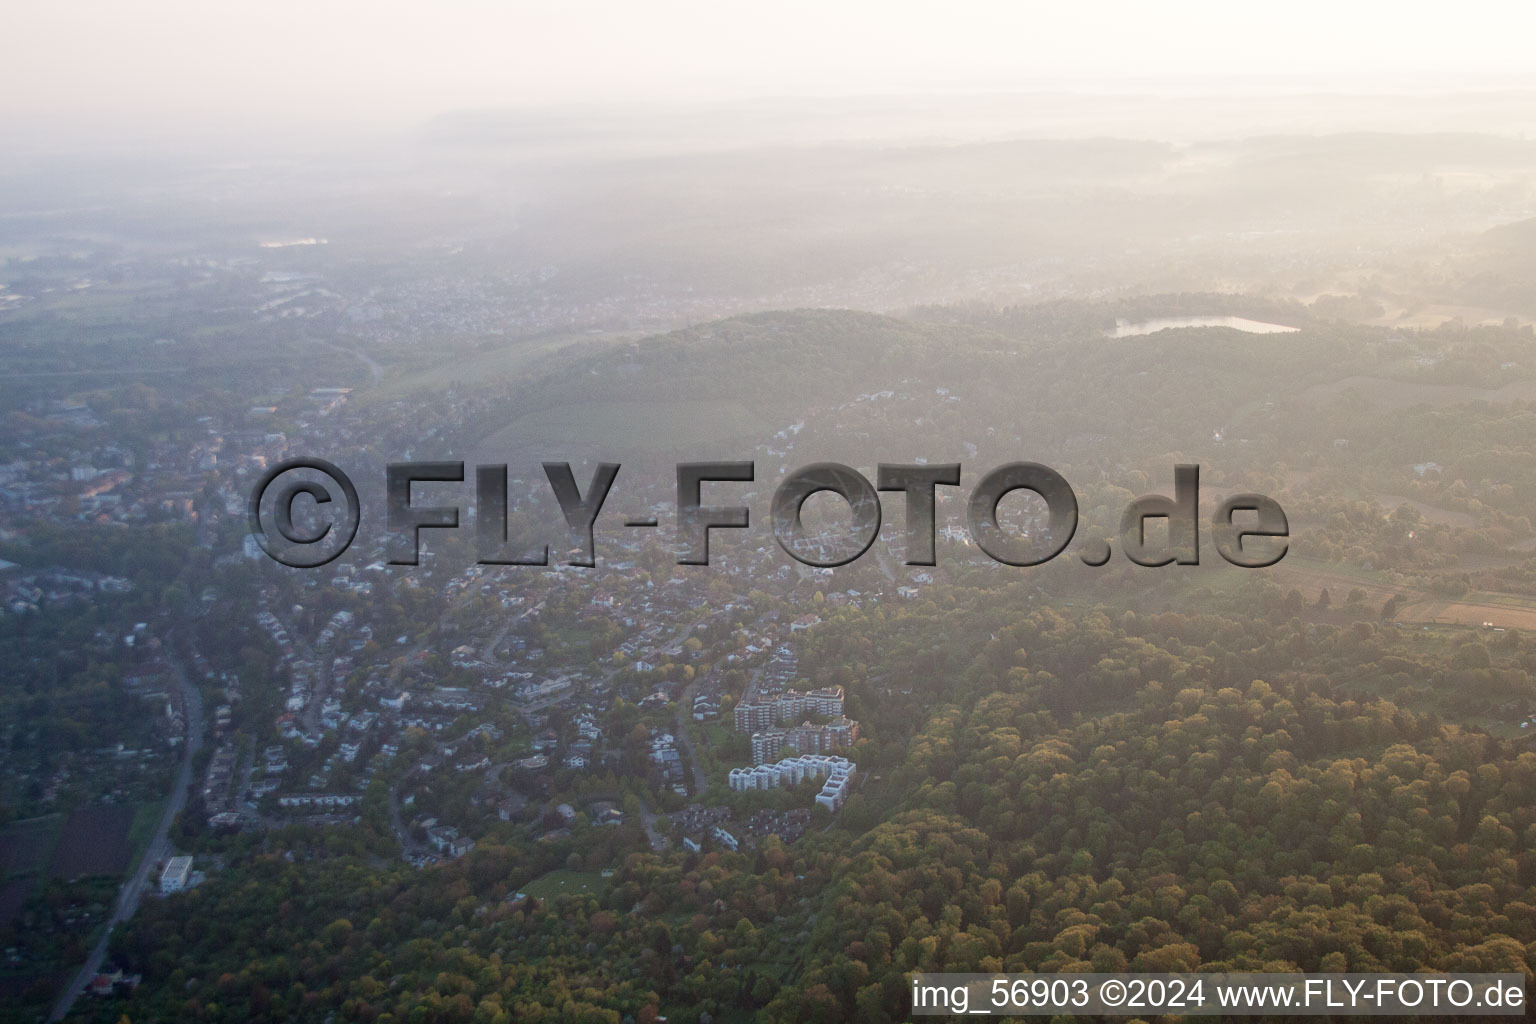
(82, 70)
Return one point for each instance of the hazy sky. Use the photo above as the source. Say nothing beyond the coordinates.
(63, 59)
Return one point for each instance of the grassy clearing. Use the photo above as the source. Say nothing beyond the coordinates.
(508, 361)
(145, 817)
(561, 882)
(633, 425)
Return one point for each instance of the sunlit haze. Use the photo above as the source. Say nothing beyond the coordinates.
(724, 513)
(77, 62)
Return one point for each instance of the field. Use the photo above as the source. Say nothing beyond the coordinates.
(1508, 611)
(26, 845)
(562, 882)
(1505, 611)
(13, 896)
(94, 841)
(25, 848)
(1431, 513)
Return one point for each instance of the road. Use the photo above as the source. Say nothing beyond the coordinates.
(158, 849)
(684, 712)
(648, 819)
(408, 845)
(310, 715)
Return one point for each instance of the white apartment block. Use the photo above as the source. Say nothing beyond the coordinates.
(838, 772)
(789, 707)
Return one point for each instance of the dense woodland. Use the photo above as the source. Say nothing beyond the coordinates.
(1191, 800)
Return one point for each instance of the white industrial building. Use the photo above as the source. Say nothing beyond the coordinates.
(178, 871)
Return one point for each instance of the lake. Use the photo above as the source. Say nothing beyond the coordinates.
(1125, 329)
